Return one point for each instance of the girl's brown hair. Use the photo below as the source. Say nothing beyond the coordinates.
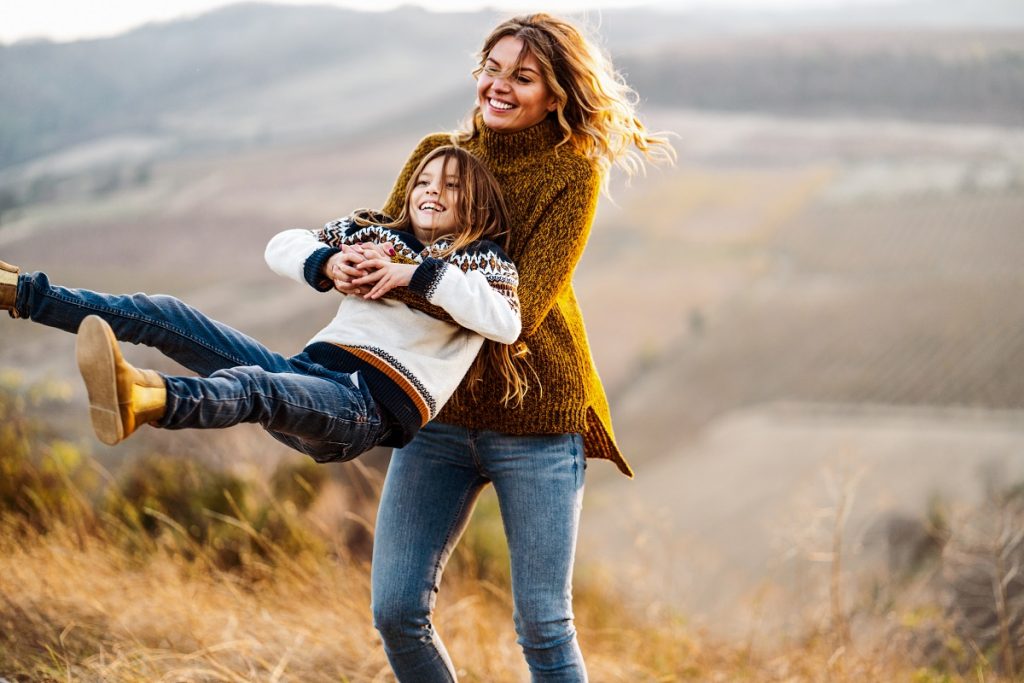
(596, 109)
(480, 214)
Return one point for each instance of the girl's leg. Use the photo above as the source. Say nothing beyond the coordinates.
(330, 420)
(178, 330)
(429, 493)
(539, 484)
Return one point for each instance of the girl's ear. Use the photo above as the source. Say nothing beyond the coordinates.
(552, 104)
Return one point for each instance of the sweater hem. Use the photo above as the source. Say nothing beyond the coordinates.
(406, 417)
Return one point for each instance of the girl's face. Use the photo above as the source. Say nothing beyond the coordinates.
(512, 102)
(435, 194)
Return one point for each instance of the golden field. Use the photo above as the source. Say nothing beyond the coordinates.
(170, 570)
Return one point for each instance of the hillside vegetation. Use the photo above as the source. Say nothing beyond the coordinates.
(167, 569)
(942, 76)
(254, 74)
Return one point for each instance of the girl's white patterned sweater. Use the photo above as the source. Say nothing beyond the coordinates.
(411, 362)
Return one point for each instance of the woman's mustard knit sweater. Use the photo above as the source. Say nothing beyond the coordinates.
(551, 195)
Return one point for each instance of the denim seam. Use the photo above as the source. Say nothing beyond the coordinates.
(448, 534)
(576, 460)
(475, 455)
(155, 323)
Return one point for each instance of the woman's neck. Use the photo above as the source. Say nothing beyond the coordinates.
(521, 143)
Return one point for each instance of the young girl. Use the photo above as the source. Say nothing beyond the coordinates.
(376, 374)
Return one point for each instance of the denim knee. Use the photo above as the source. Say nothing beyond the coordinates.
(544, 634)
(401, 621)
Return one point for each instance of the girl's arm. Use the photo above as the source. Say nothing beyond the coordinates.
(301, 254)
(477, 288)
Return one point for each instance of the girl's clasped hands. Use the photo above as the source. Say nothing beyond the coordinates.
(367, 270)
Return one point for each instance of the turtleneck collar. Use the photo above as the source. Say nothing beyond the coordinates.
(501, 147)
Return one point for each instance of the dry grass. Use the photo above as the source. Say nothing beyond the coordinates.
(79, 608)
(102, 579)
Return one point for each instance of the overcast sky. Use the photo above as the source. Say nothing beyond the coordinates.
(72, 19)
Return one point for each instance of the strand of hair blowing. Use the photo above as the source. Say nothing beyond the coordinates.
(596, 109)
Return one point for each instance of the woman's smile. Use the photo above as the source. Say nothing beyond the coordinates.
(510, 88)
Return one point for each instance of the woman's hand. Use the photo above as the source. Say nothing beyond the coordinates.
(343, 267)
(384, 276)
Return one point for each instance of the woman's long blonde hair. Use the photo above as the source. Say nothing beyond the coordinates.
(480, 214)
(596, 109)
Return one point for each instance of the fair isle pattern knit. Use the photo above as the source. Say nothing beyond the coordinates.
(501, 273)
(411, 363)
(399, 374)
(346, 231)
(551, 194)
(483, 256)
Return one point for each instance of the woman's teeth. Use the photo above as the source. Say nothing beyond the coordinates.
(498, 104)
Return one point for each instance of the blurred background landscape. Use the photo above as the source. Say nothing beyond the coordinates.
(811, 331)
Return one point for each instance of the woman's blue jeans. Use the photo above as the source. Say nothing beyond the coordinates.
(324, 414)
(429, 493)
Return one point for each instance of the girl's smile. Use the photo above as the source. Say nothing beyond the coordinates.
(432, 201)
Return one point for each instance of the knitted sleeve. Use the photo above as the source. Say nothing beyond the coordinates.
(345, 231)
(294, 254)
(476, 286)
(554, 246)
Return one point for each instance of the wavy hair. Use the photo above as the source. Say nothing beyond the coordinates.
(596, 109)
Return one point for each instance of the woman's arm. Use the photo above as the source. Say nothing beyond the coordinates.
(562, 218)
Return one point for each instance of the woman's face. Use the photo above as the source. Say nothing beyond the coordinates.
(512, 102)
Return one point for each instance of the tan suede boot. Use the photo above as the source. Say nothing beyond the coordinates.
(121, 396)
(8, 287)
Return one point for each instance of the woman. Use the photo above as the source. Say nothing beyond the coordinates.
(550, 120)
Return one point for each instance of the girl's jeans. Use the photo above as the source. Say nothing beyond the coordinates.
(428, 496)
(327, 415)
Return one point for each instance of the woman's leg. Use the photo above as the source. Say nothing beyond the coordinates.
(330, 420)
(539, 484)
(178, 330)
(429, 493)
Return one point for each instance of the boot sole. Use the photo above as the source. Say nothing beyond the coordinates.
(95, 351)
(8, 287)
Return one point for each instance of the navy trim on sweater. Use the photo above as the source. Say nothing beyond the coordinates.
(399, 406)
(427, 276)
(313, 269)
